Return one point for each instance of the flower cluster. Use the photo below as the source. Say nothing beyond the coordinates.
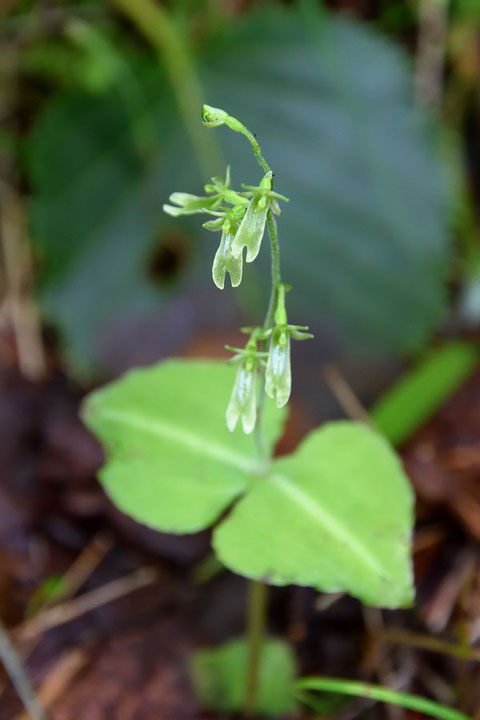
(241, 216)
(276, 362)
(242, 225)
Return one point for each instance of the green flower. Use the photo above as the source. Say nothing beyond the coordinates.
(224, 260)
(218, 192)
(252, 227)
(221, 189)
(243, 401)
(278, 376)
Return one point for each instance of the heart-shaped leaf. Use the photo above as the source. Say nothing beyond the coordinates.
(172, 462)
(335, 515)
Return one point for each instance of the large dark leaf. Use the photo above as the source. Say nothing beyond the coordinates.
(101, 169)
(363, 238)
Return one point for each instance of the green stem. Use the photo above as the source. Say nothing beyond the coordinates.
(383, 694)
(256, 619)
(156, 25)
(257, 151)
(276, 280)
(276, 275)
(257, 602)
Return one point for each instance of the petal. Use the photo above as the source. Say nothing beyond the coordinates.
(233, 408)
(250, 232)
(214, 225)
(180, 198)
(284, 383)
(278, 375)
(171, 210)
(190, 204)
(249, 414)
(219, 266)
(244, 383)
(242, 234)
(269, 374)
(234, 265)
(256, 235)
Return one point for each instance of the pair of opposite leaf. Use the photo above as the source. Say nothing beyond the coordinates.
(242, 225)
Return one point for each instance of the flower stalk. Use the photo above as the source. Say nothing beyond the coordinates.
(263, 366)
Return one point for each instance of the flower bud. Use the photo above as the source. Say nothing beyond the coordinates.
(213, 117)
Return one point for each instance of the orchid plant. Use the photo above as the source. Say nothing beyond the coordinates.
(335, 515)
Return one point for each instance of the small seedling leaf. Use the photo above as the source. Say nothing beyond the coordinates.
(219, 677)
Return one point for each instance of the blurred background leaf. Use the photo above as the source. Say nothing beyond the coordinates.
(331, 104)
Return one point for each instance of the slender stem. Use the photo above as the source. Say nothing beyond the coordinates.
(257, 151)
(276, 280)
(276, 275)
(257, 602)
(383, 694)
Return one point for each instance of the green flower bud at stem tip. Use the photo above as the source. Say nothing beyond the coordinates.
(213, 117)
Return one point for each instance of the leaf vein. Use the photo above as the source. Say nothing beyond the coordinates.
(183, 437)
(320, 514)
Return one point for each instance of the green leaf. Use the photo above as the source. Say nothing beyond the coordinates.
(172, 463)
(419, 393)
(336, 515)
(364, 237)
(219, 677)
(101, 165)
